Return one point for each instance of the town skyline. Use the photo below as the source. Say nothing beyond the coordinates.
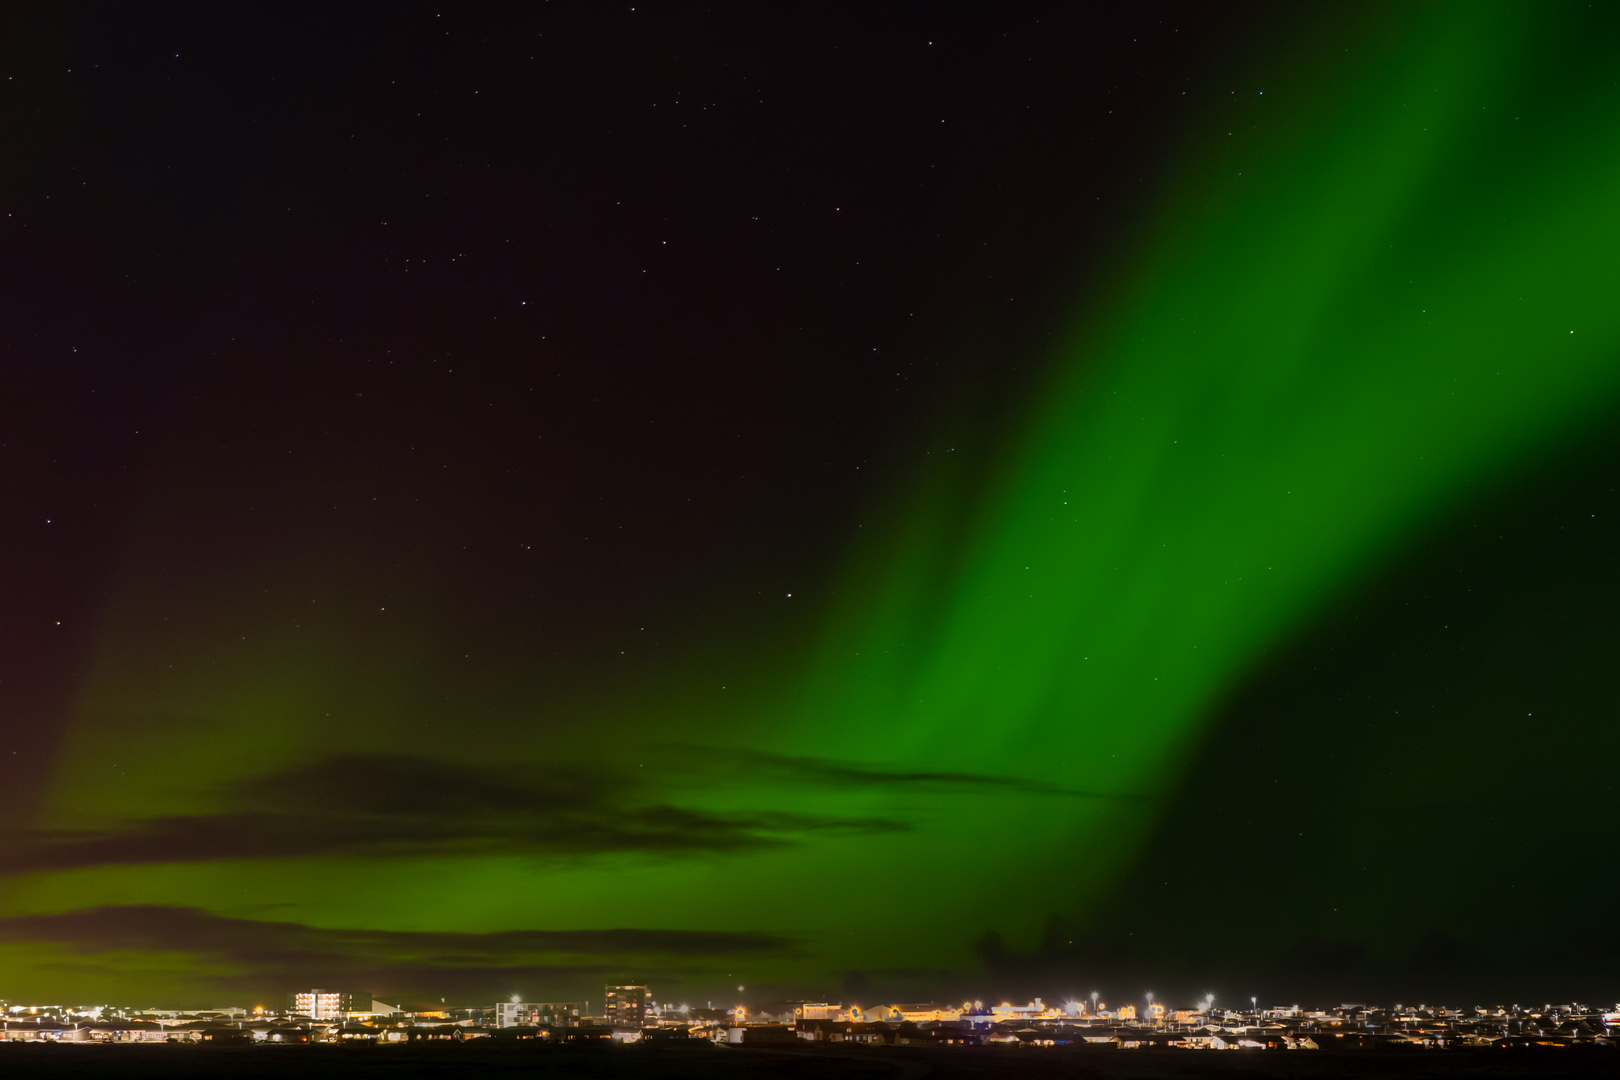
(872, 504)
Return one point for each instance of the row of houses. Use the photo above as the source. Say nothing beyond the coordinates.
(633, 1016)
(828, 1031)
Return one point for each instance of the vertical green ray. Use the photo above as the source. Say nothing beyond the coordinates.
(1394, 278)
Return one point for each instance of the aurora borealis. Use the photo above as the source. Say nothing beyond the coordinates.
(478, 523)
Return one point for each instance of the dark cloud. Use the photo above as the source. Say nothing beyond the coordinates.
(251, 954)
(379, 805)
(154, 928)
(395, 805)
(829, 772)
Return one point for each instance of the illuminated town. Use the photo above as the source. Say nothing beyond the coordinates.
(630, 1014)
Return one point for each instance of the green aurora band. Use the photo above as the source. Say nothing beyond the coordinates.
(1377, 278)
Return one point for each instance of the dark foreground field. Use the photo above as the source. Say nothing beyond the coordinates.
(807, 1063)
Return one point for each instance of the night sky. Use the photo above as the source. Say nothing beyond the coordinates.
(854, 502)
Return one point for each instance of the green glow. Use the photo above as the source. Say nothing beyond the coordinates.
(1363, 293)
(1295, 386)
(1387, 289)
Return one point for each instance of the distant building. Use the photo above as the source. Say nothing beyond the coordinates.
(626, 1005)
(1035, 1010)
(816, 1010)
(535, 1013)
(915, 1013)
(774, 1012)
(919, 1013)
(327, 1004)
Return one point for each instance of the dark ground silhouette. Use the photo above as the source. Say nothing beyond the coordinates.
(798, 1063)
